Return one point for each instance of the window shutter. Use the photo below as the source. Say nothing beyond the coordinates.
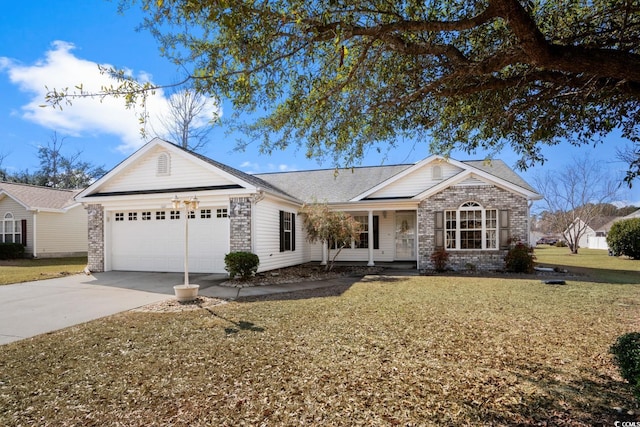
(439, 229)
(281, 231)
(505, 233)
(293, 232)
(23, 232)
(376, 232)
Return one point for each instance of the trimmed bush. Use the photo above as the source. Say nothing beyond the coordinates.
(626, 354)
(11, 251)
(243, 264)
(440, 258)
(520, 258)
(624, 238)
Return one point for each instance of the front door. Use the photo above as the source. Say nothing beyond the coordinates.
(405, 236)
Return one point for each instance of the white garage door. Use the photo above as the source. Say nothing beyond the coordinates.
(154, 240)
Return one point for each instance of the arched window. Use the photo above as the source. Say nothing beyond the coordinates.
(10, 232)
(164, 165)
(471, 227)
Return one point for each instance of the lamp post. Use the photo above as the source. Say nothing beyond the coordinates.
(186, 292)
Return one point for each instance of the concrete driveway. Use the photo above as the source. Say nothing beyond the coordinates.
(33, 308)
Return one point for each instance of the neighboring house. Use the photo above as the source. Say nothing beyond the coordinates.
(594, 234)
(472, 209)
(47, 221)
(635, 214)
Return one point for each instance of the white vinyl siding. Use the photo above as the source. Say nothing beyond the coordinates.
(417, 181)
(60, 234)
(142, 175)
(386, 235)
(266, 236)
(472, 181)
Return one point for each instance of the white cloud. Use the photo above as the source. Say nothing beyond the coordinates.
(61, 69)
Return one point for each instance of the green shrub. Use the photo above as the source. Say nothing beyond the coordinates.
(11, 251)
(520, 258)
(243, 264)
(561, 244)
(626, 354)
(439, 258)
(624, 238)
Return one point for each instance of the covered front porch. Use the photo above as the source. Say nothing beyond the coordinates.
(388, 236)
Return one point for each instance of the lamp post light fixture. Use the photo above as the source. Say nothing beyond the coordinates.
(186, 291)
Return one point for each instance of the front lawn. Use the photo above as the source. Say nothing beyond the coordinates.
(594, 263)
(383, 351)
(26, 270)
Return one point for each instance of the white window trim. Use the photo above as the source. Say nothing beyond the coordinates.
(469, 207)
(16, 227)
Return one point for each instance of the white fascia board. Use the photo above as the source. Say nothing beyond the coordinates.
(279, 196)
(51, 210)
(396, 177)
(163, 200)
(377, 205)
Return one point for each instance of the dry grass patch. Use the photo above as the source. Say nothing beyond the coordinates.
(26, 270)
(399, 351)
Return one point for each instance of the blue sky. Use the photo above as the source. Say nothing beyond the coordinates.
(59, 44)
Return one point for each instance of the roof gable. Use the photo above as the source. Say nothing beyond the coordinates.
(34, 197)
(414, 180)
(435, 173)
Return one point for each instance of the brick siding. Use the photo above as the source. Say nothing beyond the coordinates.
(95, 253)
(490, 197)
(240, 227)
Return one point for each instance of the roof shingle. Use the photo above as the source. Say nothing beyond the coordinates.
(35, 197)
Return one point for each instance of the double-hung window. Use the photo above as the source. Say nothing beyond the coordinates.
(287, 231)
(364, 232)
(10, 230)
(471, 227)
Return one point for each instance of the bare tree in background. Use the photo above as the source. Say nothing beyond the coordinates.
(3, 172)
(575, 196)
(189, 119)
(56, 169)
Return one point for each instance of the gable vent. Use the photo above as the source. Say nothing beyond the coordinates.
(164, 165)
(436, 173)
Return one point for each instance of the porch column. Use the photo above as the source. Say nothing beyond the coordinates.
(324, 253)
(370, 229)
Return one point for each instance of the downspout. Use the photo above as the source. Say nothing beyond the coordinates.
(529, 206)
(35, 233)
(371, 263)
